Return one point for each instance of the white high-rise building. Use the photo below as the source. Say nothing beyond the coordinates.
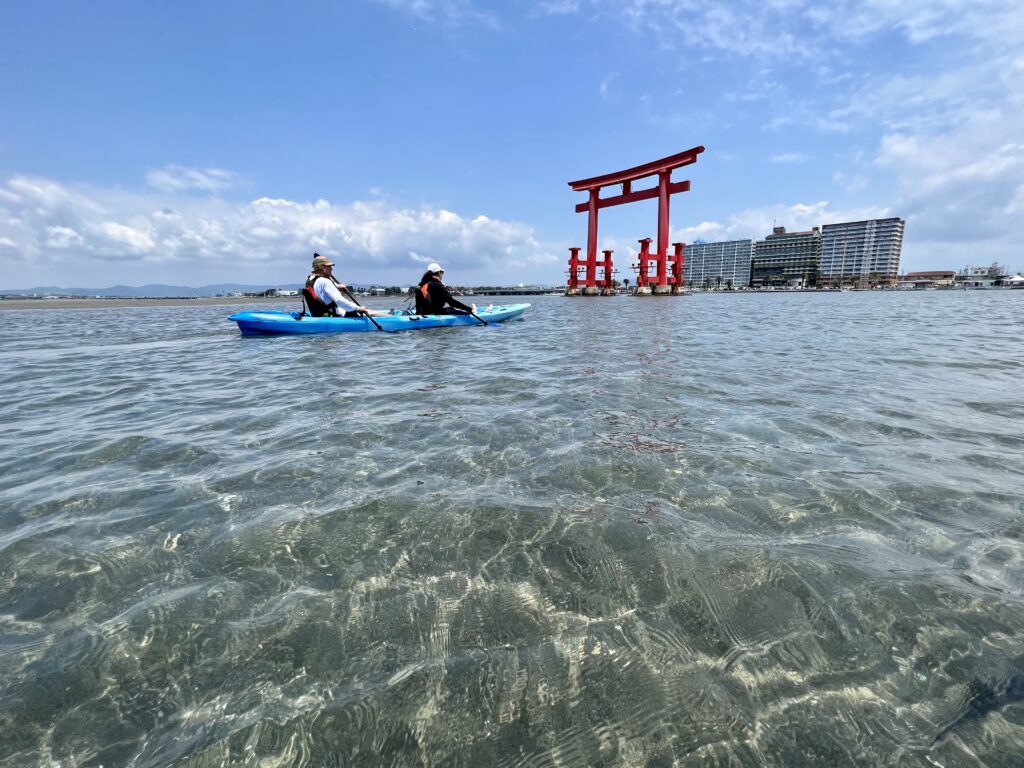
(861, 251)
(718, 265)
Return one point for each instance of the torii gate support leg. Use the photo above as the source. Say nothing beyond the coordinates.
(661, 285)
(678, 260)
(590, 286)
(607, 287)
(573, 286)
(643, 286)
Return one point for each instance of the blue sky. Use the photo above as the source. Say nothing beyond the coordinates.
(203, 142)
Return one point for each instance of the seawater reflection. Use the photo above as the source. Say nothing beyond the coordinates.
(716, 530)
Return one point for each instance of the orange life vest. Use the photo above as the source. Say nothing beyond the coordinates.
(316, 307)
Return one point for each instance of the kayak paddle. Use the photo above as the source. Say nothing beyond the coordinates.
(368, 315)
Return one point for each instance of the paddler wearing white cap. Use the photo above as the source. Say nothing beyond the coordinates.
(434, 298)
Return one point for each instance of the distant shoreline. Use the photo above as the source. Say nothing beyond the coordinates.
(203, 301)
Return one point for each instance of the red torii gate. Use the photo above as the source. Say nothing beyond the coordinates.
(663, 281)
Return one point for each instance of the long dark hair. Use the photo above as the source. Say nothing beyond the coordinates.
(427, 277)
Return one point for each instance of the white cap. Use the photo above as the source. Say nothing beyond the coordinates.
(434, 267)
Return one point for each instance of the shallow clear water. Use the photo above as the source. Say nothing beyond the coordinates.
(713, 530)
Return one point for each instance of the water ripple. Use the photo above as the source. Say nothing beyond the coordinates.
(691, 536)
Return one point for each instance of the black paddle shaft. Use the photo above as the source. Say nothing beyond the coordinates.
(368, 316)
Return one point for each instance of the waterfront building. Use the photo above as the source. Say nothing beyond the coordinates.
(982, 277)
(861, 253)
(936, 278)
(718, 265)
(786, 259)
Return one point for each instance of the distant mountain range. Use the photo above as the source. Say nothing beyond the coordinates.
(158, 291)
(161, 291)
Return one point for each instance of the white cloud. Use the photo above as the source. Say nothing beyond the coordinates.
(606, 84)
(898, 102)
(61, 237)
(177, 178)
(775, 29)
(49, 198)
(559, 7)
(107, 226)
(962, 185)
(919, 20)
(959, 180)
(805, 29)
(789, 157)
(1017, 203)
(851, 183)
(450, 12)
(135, 240)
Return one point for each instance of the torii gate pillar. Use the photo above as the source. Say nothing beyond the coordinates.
(664, 280)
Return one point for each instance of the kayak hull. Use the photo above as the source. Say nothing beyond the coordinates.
(272, 322)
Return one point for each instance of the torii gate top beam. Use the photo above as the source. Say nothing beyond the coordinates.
(661, 168)
(639, 172)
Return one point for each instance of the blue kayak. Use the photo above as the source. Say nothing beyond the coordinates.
(276, 321)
